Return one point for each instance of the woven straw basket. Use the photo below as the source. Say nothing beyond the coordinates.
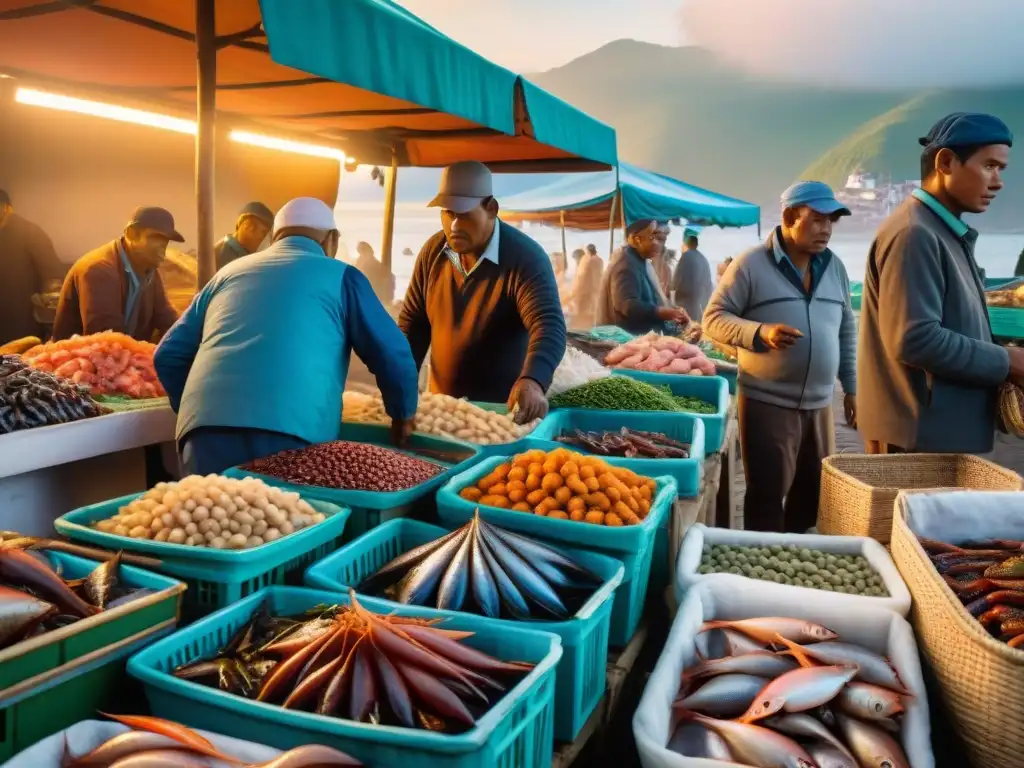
(981, 678)
(858, 491)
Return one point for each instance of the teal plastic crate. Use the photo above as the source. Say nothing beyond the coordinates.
(1007, 322)
(218, 577)
(632, 544)
(369, 508)
(515, 733)
(713, 389)
(685, 427)
(580, 680)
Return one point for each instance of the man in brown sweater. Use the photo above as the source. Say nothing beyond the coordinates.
(27, 263)
(117, 287)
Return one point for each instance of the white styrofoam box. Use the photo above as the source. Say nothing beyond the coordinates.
(877, 629)
(959, 516)
(85, 736)
(698, 535)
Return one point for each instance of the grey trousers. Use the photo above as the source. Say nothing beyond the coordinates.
(782, 452)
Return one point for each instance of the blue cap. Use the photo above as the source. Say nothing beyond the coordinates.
(260, 211)
(816, 195)
(962, 129)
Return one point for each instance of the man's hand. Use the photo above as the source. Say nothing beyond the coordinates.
(1016, 365)
(674, 315)
(530, 399)
(850, 409)
(401, 430)
(778, 336)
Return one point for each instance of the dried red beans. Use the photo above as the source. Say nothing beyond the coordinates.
(348, 466)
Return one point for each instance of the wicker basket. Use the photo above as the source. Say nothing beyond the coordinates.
(858, 491)
(980, 677)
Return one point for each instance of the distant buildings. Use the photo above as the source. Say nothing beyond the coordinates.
(870, 199)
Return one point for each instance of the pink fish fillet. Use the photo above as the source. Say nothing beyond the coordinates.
(798, 691)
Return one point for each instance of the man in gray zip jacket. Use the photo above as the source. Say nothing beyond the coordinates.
(785, 306)
(929, 368)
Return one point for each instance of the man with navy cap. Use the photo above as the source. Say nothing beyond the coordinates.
(257, 363)
(785, 306)
(928, 367)
(118, 286)
(251, 229)
(483, 300)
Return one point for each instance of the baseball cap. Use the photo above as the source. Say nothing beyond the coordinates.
(816, 195)
(308, 212)
(157, 219)
(463, 186)
(962, 129)
(259, 210)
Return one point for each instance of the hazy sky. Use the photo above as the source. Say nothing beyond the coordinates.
(535, 35)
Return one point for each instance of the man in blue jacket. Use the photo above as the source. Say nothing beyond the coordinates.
(257, 364)
(785, 305)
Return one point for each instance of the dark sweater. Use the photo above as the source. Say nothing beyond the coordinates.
(27, 262)
(485, 331)
(629, 299)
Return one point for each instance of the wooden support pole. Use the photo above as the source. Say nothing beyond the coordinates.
(390, 192)
(622, 215)
(565, 253)
(611, 227)
(206, 115)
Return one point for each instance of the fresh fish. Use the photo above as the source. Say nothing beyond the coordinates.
(868, 702)
(1011, 568)
(395, 688)
(101, 581)
(298, 636)
(935, 547)
(18, 567)
(485, 591)
(799, 690)
(123, 745)
(162, 758)
(285, 674)
(530, 583)
(397, 567)
(509, 593)
(765, 629)
(871, 667)
(725, 695)
(330, 698)
(720, 643)
(807, 727)
(461, 654)
(176, 731)
(757, 746)
(992, 599)
(695, 740)
(135, 594)
(736, 643)
(873, 747)
(363, 688)
(19, 612)
(422, 579)
(552, 564)
(310, 756)
(827, 756)
(455, 582)
(760, 663)
(433, 692)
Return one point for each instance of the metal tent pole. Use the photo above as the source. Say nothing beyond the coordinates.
(565, 253)
(206, 116)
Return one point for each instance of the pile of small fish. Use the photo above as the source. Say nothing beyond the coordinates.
(35, 599)
(484, 569)
(630, 443)
(30, 398)
(158, 743)
(817, 702)
(348, 662)
(988, 578)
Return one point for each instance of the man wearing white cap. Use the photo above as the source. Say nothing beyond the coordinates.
(484, 301)
(257, 363)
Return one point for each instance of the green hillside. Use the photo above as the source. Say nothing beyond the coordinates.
(684, 112)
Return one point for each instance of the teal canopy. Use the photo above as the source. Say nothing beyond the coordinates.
(593, 201)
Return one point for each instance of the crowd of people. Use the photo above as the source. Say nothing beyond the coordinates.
(488, 308)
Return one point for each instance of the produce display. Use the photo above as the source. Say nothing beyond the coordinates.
(1011, 408)
(212, 511)
(35, 599)
(484, 569)
(627, 442)
(157, 743)
(347, 465)
(988, 578)
(20, 346)
(30, 398)
(796, 566)
(564, 485)
(107, 363)
(716, 354)
(576, 369)
(662, 354)
(622, 393)
(442, 415)
(348, 662)
(788, 692)
(1007, 297)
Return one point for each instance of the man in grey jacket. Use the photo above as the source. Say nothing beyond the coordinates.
(785, 306)
(692, 281)
(927, 363)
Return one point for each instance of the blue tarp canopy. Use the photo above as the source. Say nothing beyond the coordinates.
(591, 201)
